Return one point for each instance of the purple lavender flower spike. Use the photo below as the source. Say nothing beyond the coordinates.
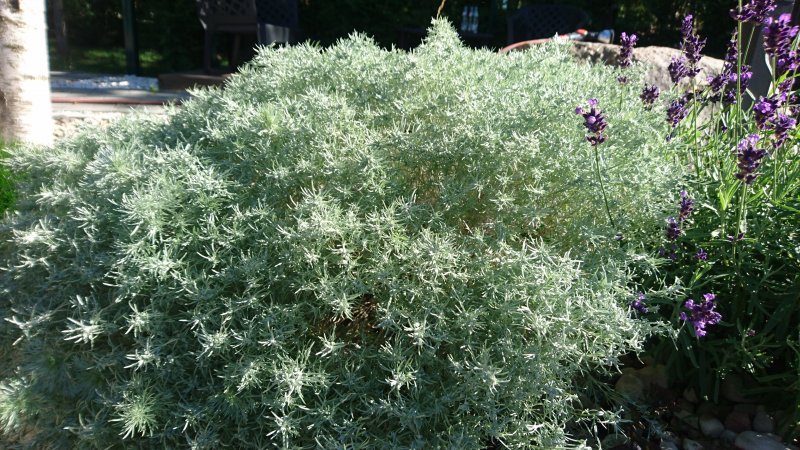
(673, 229)
(677, 69)
(638, 304)
(755, 11)
(778, 35)
(626, 51)
(701, 255)
(732, 54)
(787, 62)
(687, 206)
(649, 95)
(765, 109)
(677, 111)
(782, 124)
(594, 121)
(702, 314)
(749, 156)
(691, 45)
(687, 26)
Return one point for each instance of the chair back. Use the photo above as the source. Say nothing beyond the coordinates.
(544, 21)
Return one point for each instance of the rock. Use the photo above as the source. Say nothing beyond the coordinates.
(689, 444)
(614, 440)
(656, 59)
(763, 422)
(688, 418)
(750, 440)
(728, 437)
(737, 421)
(732, 389)
(711, 426)
(655, 375)
(706, 408)
(690, 395)
(668, 445)
(749, 408)
(630, 387)
(685, 405)
(669, 436)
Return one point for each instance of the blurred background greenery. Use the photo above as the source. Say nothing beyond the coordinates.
(171, 38)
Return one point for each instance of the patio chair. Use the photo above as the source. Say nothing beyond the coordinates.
(544, 21)
(271, 21)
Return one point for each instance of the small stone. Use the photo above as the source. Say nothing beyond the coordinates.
(750, 440)
(669, 436)
(690, 395)
(685, 405)
(688, 418)
(668, 445)
(614, 440)
(691, 433)
(728, 437)
(630, 386)
(732, 388)
(737, 421)
(655, 375)
(749, 408)
(763, 422)
(689, 444)
(706, 408)
(711, 426)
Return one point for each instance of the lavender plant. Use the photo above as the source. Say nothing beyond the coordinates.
(740, 247)
(344, 248)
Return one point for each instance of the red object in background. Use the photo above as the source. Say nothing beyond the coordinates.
(604, 36)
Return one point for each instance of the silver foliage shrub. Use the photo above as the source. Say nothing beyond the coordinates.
(345, 248)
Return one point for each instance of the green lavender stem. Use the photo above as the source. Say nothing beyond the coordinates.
(602, 186)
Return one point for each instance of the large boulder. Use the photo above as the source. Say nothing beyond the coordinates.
(656, 59)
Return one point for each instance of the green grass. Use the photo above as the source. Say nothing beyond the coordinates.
(7, 191)
(106, 60)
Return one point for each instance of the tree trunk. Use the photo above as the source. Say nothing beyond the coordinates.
(25, 111)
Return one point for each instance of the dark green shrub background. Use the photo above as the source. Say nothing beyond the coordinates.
(171, 27)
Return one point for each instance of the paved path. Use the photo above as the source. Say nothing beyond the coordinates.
(68, 100)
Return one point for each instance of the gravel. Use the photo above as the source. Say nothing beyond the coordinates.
(127, 82)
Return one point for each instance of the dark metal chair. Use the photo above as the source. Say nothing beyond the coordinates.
(271, 21)
(544, 21)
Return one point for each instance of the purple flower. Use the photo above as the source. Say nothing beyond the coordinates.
(595, 122)
(738, 237)
(723, 86)
(649, 95)
(677, 69)
(778, 35)
(786, 62)
(677, 110)
(766, 109)
(687, 206)
(782, 124)
(749, 157)
(673, 229)
(732, 54)
(691, 45)
(702, 314)
(622, 79)
(701, 255)
(626, 51)
(638, 304)
(754, 12)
